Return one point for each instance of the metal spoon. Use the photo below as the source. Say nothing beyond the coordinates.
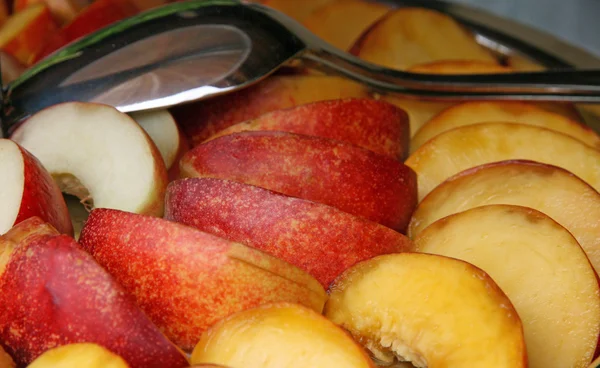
(192, 50)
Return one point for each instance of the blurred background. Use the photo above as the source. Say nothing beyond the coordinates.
(575, 21)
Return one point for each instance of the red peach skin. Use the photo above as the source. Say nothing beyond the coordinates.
(323, 170)
(317, 238)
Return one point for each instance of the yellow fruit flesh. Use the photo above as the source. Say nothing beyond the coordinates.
(431, 310)
(459, 149)
(79, 356)
(279, 336)
(540, 267)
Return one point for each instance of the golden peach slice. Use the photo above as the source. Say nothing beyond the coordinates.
(459, 149)
(503, 111)
(549, 189)
(281, 335)
(541, 268)
(82, 355)
(431, 310)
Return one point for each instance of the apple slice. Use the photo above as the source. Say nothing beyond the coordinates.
(559, 303)
(319, 239)
(341, 22)
(53, 293)
(82, 355)
(323, 170)
(201, 120)
(255, 339)
(411, 35)
(166, 135)
(5, 360)
(24, 34)
(375, 125)
(430, 310)
(478, 144)
(97, 153)
(296, 9)
(502, 111)
(184, 279)
(549, 189)
(28, 190)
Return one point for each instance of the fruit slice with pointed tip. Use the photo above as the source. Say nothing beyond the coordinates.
(28, 190)
(323, 170)
(317, 238)
(430, 310)
(559, 303)
(549, 189)
(341, 22)
(97, 153)
(459, 149)
(184, 279)
(24, 34)
(82, 355)
(411, 35)
(375, 125)
(255, 339)
(503, 111)
(53, 293)
(201, 120)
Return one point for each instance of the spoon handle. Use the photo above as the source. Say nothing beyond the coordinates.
(582, 86)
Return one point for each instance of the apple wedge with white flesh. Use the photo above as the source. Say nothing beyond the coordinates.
(162, 128)
(280, 335)
(80, 355)
(541, 268)
(28, 190)
(461, 148)
(551, 190)
(468, 113)
(98, 154)
(431, 310)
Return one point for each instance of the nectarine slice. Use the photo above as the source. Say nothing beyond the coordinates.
(549, 189)
(28, 190)
(375, 125)
(341, 22)
(541, 268)
(319, 239)
(430, 310)
(279, 335)
(98, 154)
(323, 170)
(24, 34)
(410, 36)
(502, 111)
(461, 148)
(186, 280)
(82, 355)
(201, 120)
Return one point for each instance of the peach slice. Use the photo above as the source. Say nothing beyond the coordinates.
(559, 303)
(296, 9)
(28, 190)
(419, 111)
(323, 170)
(319, 239)
(502, 111)
(184, 279)
(279, 335)
(459, 149)
(549, 189)
(97, 153)
(375, 125)
(410, 36)
(83, 355)
(53, 293)
(201, 120)
(430, 310)
(341, 22)
(24, 34)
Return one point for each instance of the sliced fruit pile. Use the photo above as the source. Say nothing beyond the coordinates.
(307, 221)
